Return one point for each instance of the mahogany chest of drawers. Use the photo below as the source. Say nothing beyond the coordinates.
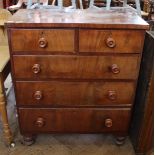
(75, 71)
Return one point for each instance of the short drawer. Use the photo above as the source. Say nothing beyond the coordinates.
(74, 120)
(58, 93)
(111, 41)
(79, 67)
(36, 40)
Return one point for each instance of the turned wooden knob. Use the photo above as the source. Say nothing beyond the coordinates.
(36, 68)
(40, 122)
(110, 42)
(108, 122)
(38, 95)
(42, 42)
(115, 69)
(112, 95)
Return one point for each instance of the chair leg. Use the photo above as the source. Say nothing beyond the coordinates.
(124, 3)
(3, 111)
(138, 7)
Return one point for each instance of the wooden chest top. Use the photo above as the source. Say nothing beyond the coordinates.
(118, 18)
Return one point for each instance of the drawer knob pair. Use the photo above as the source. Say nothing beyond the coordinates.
(108, 122)
(38, 95)
(42, 42)
(36, 69)
(114, 69)
(40, 122)
(110, 42)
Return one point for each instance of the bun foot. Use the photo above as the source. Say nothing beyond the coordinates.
(120, 140)
(28, 140)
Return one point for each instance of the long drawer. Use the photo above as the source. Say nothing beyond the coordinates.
(79, 67)
(111, 41)
(49, 40)
(58, 93)
(80, 120)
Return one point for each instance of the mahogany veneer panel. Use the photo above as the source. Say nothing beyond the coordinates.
(79, 67)
(57, 40)
(73, 120)
(58, 93)
(126, 41)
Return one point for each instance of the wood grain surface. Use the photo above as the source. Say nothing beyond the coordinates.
(126, 41)
(79, 67)
(57, 40)
(87, 120)
(58, 93)
(89, 18)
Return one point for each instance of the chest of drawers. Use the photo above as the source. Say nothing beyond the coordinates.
(75, 72)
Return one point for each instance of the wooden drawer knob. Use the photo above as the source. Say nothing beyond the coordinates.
(112, 95)
(38, 95)
(40, 122)
(42, 42)
(115, 69)
(108, 122)
(36, 68)
(110, 42)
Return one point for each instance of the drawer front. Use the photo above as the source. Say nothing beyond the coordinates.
(111, 41)
(53, 40)
(74, 120)
(79, 67)
(57, 93)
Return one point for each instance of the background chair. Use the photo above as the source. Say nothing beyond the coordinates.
(4, 71)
